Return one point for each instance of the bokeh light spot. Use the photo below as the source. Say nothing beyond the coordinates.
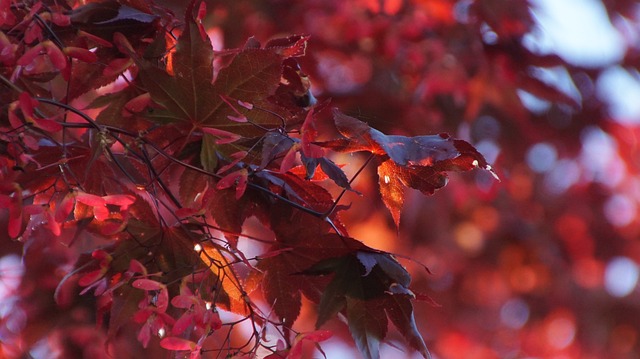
(560, 329)
(11, 270)
(514, 313)
(542, 157)
(620, 210)
(341, 73)
(621, 276)
(489, 149)
(486, 218)
(469, 237)
(614, 81)
(520, 184)
(600, 157)
(564, 174)
(533, 103)
(586, 37)
(486, 128)
(488, 35)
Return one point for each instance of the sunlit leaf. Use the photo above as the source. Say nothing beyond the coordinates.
(232, 297)
(419, 162)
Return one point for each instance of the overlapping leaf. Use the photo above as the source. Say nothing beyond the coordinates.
(419, 162)
(231, 292)
(283, 280)
(190, 95)
(364, 285)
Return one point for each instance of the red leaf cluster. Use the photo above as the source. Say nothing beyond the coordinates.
(157, 154)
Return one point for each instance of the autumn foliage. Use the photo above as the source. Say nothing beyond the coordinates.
(152, 182)
(171, 195)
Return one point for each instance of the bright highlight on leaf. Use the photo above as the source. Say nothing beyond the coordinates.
(419, 162)
(187, 188)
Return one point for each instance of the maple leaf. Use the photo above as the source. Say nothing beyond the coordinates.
(399, 308)
(364, 285)
(419, 162)
(232, 295)
(284, 281)
(367, 324)
(124, 306)
(190, 95)
(230, 212)
(192, 186)
(360, 274)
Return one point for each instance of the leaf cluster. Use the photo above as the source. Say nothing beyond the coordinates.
(149, 182)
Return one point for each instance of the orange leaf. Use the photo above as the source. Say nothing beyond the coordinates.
(233, 299)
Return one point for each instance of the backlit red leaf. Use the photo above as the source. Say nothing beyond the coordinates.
(80, 54)
(90, 199)
(122, 200)
(419, 162)
(175, 343)
(218, 264)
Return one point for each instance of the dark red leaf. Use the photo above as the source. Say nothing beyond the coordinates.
(400, 311)
(368, 326)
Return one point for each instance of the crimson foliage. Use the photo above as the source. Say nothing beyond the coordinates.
(138, 162)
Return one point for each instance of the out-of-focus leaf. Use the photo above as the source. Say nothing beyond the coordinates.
(547, 92)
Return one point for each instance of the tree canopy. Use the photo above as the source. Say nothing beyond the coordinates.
(274, 178)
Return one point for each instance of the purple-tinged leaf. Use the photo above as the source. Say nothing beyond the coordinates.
(400, 311)
(368, 326)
